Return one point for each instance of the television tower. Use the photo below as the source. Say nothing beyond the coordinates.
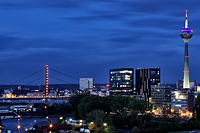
(186, 36)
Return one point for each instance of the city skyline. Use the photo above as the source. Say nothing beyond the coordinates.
(87, 39)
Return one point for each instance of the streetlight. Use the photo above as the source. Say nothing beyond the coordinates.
(61, 118)
(50, 125)
(18, 127)
(82, 123)
(26, 129)
(105, 125)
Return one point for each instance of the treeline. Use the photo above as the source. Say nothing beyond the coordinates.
(122, 113)
(44, 109)
(128, 113)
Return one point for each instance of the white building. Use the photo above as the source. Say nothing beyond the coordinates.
(85, 83)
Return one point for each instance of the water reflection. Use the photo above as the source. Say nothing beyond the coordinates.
(34, 101)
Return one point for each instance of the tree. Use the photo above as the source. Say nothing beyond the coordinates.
(96, 117)
(135, 130)
(111, 129)
(74, 101)
(120, 108)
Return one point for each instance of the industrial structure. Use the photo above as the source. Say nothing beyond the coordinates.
(186, 36)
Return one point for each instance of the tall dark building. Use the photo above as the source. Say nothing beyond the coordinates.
(121, 81)
(145, 78)
(190, 101)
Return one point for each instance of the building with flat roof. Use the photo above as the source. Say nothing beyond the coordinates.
(145, 78)
(161, 97)
(121, 81)
(85, 83)
(179, 100)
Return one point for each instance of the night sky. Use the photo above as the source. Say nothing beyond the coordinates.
(87, 38)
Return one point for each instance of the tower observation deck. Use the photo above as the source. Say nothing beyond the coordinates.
(186, 36)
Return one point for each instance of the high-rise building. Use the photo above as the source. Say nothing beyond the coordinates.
(121, 81)
(186, 36)
(145, 78)
(161, 97)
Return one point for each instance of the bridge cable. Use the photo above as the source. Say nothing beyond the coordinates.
(26, 77)
(60, 79)
(35, 80)
(64, 74)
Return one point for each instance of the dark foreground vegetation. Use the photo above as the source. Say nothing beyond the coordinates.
(122, 113)
(128, 113)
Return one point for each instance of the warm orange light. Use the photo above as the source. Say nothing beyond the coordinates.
(50, 125)
(18, 127)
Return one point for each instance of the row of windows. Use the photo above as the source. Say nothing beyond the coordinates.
(121, 90)
(126, 78)
(154, 79)
(124, 71)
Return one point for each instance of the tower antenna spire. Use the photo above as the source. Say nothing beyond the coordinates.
(186, 36)
(186, 21)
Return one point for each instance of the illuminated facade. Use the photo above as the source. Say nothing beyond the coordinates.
(145, 78)
(179, 100)
(186, 36)
(46, 82)
(161, 97)
(121, 81)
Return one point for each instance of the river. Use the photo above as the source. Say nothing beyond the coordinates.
(11, 124)
(34, 101)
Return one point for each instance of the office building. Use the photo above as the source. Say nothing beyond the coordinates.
(161, 97)
(85, 83)
(145, 78)
(121, 81)
(186, 36)
(179, 100)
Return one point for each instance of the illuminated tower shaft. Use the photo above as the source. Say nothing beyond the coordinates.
(186, 36)
(46, 81)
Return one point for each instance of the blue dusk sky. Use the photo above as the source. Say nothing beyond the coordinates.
(87, 38)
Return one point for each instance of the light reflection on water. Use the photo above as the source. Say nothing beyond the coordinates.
(34, 101)
(12, 124)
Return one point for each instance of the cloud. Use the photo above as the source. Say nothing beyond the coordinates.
(87, 38)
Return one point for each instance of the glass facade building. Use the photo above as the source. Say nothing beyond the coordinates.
(179, 100)
(121, 81)
(161, 97)
(145, 78)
